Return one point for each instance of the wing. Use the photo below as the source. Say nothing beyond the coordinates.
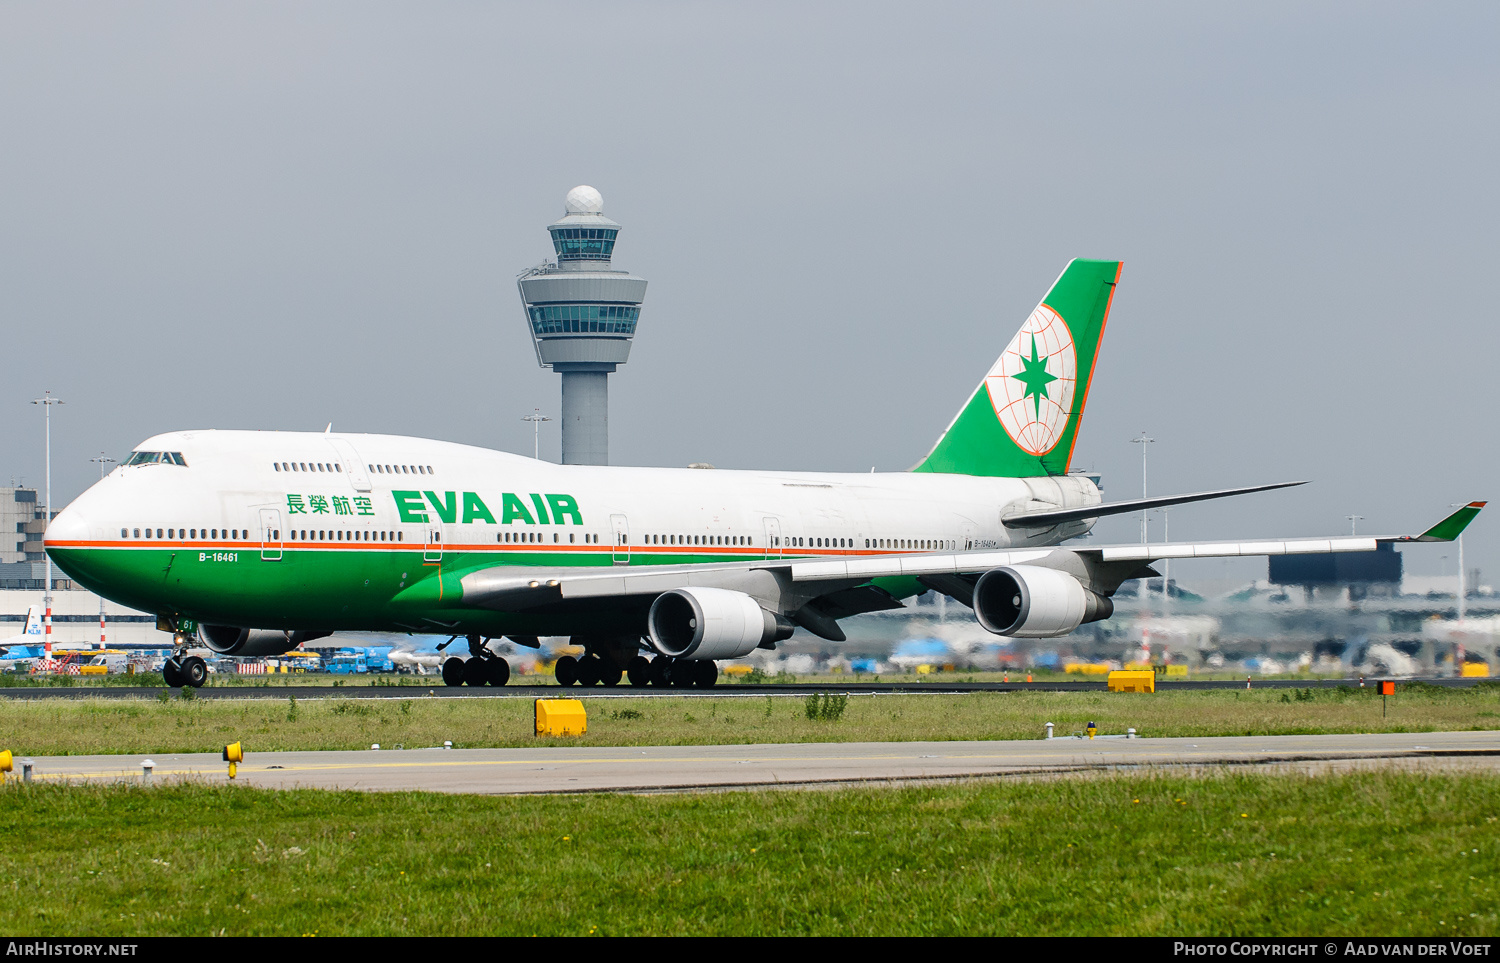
(1053, 588)
(1131, 555)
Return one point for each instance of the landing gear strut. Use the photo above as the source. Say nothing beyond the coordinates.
(607, 659)
(182, 669)
(483, 667)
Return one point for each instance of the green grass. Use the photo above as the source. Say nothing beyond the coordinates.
(174, 724)
(1374, 853)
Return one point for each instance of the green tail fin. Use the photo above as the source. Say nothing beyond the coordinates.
(1023, 418)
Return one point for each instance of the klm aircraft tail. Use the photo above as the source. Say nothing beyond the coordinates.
(1023, 418)
(34, 620)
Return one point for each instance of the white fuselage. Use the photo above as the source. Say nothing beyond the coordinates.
(338, 487)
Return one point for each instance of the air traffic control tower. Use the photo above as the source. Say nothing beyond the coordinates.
(582, 314)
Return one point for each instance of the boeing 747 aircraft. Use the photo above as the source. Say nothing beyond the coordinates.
(258, 541)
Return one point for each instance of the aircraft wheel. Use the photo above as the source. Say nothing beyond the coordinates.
(639, 671)
(453, 671)
(476, 672)
(680, 674)
(589, 670)
(498, 671)
(194, 671)
(171, 673)
(609, 674)
(660, 669)
(705, 674)
(566, 670)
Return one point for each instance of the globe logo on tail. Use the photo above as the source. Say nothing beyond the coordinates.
(1031, 385)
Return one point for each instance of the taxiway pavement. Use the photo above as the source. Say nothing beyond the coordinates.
(572, 769)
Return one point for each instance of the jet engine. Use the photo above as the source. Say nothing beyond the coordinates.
(711, 623)
(1030, 602)
(230, 640)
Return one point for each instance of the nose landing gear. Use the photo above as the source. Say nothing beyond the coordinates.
(182, 669)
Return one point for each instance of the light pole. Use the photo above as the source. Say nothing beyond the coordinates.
(103, 460)
(1143, 441)
(47, 401)
(536, 418)
(1354, 520)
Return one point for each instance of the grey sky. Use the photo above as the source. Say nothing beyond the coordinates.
(280, 215)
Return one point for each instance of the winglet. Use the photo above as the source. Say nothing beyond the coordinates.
(1451, 527)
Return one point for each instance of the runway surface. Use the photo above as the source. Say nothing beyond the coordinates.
(706, 768)
(365, 689)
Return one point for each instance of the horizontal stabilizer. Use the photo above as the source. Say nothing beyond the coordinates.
(1057, 517)
(1446, 530)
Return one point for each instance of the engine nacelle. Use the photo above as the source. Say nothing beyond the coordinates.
(230, 640)
(1030, 602)
(711, 623)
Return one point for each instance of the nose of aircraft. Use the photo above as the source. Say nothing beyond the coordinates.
(84, 541)
(69, 527)
(68, 539)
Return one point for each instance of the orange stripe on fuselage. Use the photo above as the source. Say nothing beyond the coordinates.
(534, 548)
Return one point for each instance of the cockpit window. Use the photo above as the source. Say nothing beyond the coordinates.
(156, 457)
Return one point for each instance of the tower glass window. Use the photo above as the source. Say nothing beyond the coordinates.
(584, 318)
(584, 243)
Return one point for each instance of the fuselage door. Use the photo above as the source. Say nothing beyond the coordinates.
(433, 551)
(773, 537)
(270, 534)
(621, 526)
(353, 465)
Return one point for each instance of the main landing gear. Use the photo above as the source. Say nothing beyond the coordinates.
(589, 670)
(483, 667)
(182, 669)
(660, 671)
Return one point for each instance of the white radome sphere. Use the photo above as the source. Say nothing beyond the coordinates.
(583, 199)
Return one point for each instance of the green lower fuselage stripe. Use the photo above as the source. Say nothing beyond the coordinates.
(327, 589)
